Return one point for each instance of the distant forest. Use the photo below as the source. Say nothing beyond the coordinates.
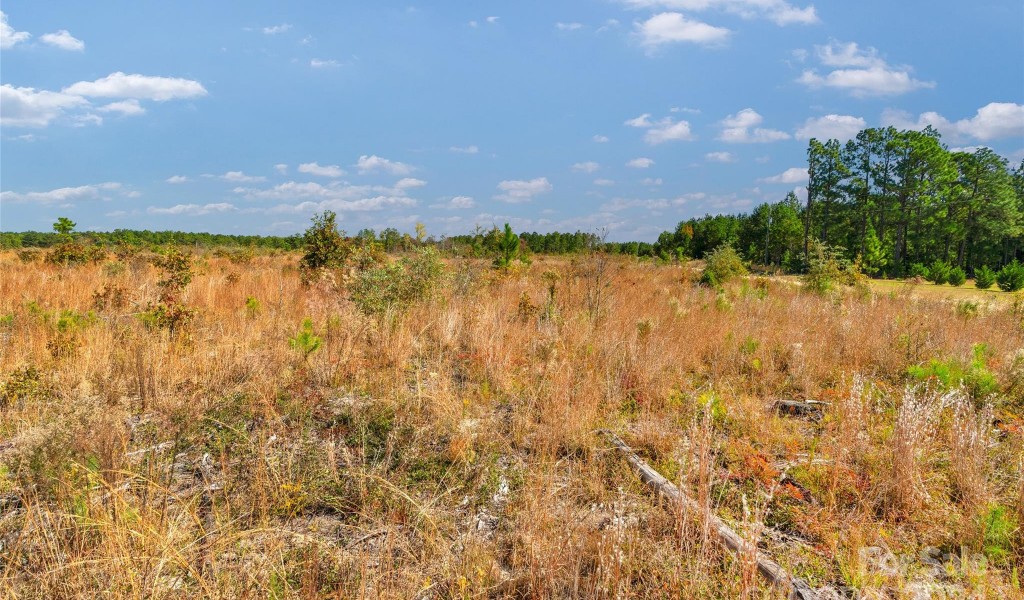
(894, 201)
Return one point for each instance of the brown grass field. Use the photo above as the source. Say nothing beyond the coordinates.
(450, 451)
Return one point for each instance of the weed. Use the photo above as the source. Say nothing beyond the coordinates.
(305, 342)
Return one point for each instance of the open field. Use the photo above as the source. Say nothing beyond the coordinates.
(450, 451)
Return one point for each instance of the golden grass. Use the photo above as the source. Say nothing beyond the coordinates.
(450, 452)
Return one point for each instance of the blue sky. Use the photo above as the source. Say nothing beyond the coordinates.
(629, 115)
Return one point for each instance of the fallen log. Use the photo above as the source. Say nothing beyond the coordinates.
(810, 408)
(769, 569)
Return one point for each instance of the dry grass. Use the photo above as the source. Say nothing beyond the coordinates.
(449, 452)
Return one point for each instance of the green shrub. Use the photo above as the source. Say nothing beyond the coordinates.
(950, 373)
(721, 265)
(394, 287)
(984, 277)
(1011, 277)
(306, 341)
(918, 270)
(827, 268)
(938, 272)
(957, 277)
(509, 250)
(325, 247)
(73, 253)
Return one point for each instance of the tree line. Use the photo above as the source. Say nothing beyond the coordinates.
(895, 201)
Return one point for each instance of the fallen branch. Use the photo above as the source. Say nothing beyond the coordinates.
(769, 569)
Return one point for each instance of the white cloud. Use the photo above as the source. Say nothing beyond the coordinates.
(192, 210)
(516, 191)
(722, 157)
(338, 205)
(995, 120)
(586, 167)
(62, 195)
(145, 87)
(177, 179)
(604, 182)
(568, 26)
(125, 107)
(276, 29)
(651, 182)
(673, 27)
(600, 139)
(840, 127)
(321, 63)
(640, 163)
(281, 168)
(456, 203)
(369, 164)
(86, 120)
(321, 170)
(492, 20)
(408, 183)
(793, 175)
(861, 72)
(64, 40)
(779, 12)
(620, 204)
(26, 107)
(741, 128)
(8, 36)
(663, 130)
(692, 111)
(240, 177)
(464, 150)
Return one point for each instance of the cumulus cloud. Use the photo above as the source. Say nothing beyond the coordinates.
(456, 203)
(640, 163)
(464, 149)
(793, 175)
(321, 170)
(408, 183)
(779, 12)
(604, 182)
(192, 210)
(64, 40)
(861, 72)
(28, 107)
(372, 163)
(240, 177)
(516, 190)
(9, 37)
(143, 87)
(840, 127)
(600, 139)
(586, 167)
(995, 120)
(568, 26)
(177, 179)
(651, 182)
(742, 128)
(336, 195)
(673, 27)
(62, 195)
(722, 157)
(663, 130)
(124, 107)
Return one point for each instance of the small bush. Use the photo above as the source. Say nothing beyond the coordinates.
(510, 254)
(325, 247)
(73, 253)
(827, 268)
(253, 308)
(999, 529)
(950, 373)
(1011, 277)
(29, 255)
(721, 265)
(394, 287)
(957, 277)
(918, 270)
(306, 341)
(984, 277)
(938, 272)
